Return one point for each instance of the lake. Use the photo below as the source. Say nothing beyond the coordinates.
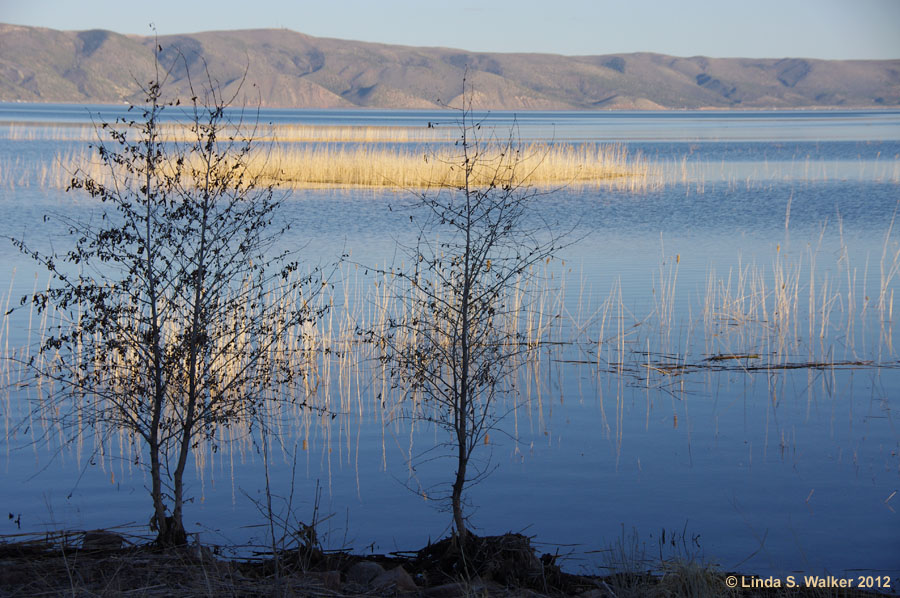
(727, 388)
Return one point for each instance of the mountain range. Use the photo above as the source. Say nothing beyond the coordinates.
(282, 68)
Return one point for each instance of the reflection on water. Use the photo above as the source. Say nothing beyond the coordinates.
(718, 356)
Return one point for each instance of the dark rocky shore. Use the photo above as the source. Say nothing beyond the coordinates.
(102, 563)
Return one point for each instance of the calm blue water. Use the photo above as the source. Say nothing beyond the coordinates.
(769, 471)
(764, 126)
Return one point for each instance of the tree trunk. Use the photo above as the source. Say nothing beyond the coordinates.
(159, 508)
(456, 498)
(174, 534)
(462, 400)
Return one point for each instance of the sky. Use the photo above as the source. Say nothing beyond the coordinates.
(831, 29)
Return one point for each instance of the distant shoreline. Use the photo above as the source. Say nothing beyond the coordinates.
(746, 109)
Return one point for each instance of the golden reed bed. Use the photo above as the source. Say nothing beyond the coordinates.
(380, 166)
(295, 156)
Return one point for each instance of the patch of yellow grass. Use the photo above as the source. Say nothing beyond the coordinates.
(381, 166)
(304, 165)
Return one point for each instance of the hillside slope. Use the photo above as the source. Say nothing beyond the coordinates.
(289, 69)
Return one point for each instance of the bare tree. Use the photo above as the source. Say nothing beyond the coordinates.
(174, 308)
(456, 342)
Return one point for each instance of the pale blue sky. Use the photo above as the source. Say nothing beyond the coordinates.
(838, 29)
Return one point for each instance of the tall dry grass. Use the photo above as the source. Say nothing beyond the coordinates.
(341, 383)
(770, 317)
(382, 166)
(802, 306)
(386, 166)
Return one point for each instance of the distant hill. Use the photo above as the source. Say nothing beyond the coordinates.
(289, 69)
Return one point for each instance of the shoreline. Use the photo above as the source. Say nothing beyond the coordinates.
(107, 563)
